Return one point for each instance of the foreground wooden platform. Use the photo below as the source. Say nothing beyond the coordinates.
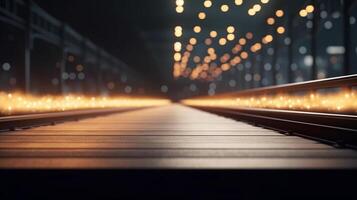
(170, 137)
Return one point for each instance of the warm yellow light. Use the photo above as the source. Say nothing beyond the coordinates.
(270, 21)
(264, 1)
(251, 12)
(210, 50)
(340, 102)
(222, 41)
(230, 37)
(202, 15)
(280, 30)
(180, 2)
(197, 29)
(244, 55)
(213, 34)
(224, 8)
(242, 41)
(18, 103)
(179, 9)
(178, 33)
(238, 2)
(257, 7)
(207, 3)
(310, 8)
(303, 13)
(177, 46)
(177, 57)
(267, 39)
(230, 29)
(193, 41)
(279, 13)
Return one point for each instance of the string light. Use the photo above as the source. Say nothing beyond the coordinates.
(202, 15)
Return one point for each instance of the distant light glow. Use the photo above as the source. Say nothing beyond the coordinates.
(202, 15)
(341, 102)
(197, 29)
(207, 3)
(16, 103)
(238, 2)
(213, 34)
(230, 29)
(279, 13)
(224, 8)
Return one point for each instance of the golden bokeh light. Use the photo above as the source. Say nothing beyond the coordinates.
(193, 41)
(222, 41)
(177, 46)
(207, 3)
(303, 13)
(280, 30)
(310, 8)
(238, 2)
(213, 34)
(177, 57)
(230, 29)
(279, 13)
(17, 103)
(197, 29)
(202, 15)
(271, 21)
(224, 8)
(230, 37)
(264, 1)
(340, 102)
(179, 9)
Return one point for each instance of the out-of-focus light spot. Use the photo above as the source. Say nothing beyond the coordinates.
(224, 8)
(267, 39)
(177, 57)
(71, 58)
(230, 29)
(310, 8)
(81, 76)
(308, 60)
(128, 89)
(207, 3)
(164, 89)
(270, 21)
(177, 46)
(193, 41)
(180, 2)
(279, 13)
(242, 41)
(197, 29)
(257, 7)
(238, 2)
(6, 66)
(328, 25)
(303, 13)
(208, 41)
(249, 35)
(202, 15)
(79, 68)
(264, 1)
(251, 12)
(178, 31)
(196, 59)
(280, 30)
(244, 55)
(179, 9)
(213, 34)
(230, 37)
(222, 41)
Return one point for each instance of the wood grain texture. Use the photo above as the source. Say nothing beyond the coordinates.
(169, 137)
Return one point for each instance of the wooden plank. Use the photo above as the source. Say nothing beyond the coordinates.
(167, 137)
